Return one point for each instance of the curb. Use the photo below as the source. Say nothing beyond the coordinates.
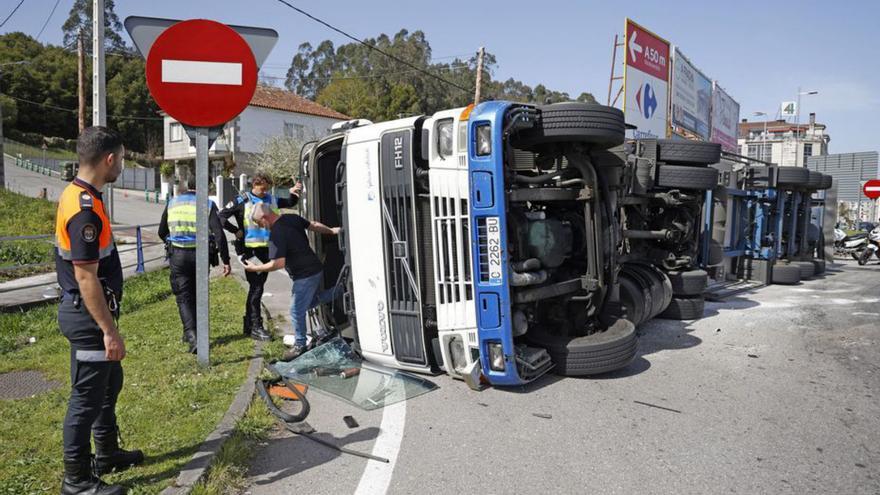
(198, 465)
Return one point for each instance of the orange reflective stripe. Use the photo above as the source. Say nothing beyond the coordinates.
(68, 206)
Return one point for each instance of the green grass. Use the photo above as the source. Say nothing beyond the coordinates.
(27, 151)
(228, 472)
(21, 215)
(168, 404)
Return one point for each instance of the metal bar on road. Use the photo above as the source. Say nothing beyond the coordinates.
(202, 269)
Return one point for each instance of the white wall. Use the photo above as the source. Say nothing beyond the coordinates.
(258, 124)
(181, 150)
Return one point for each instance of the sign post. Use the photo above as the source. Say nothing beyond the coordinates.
(203, 74)
(646, 82)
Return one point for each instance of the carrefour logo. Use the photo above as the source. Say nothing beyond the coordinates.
(646, 100)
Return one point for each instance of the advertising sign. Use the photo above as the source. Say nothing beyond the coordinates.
(691, 97)
(646, 82)
(788, 109)
(725, 115)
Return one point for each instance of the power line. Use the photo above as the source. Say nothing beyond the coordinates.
(73, 110)
(371, 76)
(48, 19)
(11, 14)
(372, 47)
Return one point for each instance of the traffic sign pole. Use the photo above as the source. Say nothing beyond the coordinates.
(202, 268)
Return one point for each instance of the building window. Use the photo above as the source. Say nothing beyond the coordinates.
(753, 151)
(808, 150)
(175, 132)
(767, 152)
(296, 131)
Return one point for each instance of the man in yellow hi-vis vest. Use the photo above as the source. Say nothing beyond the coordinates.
(178, 230)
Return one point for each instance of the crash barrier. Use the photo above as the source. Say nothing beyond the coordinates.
(138, 248)
(51, 168)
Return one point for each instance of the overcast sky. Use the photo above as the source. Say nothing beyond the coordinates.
(760, 52)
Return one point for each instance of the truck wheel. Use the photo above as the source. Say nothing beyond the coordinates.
(814, 180)
(716, 253)
(682, 177)
(688, 152)
(785, 274)
(806, 267)
(826, 181)
(689, 283)
(684, 308)
(632, 299)
(655, 282)
(601, 126)
(601, 352)
(819, 266)
(792, 176)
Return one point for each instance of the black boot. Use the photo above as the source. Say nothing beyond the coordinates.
(80, 480)
(189, 338)
(246, 319)
(257, 330)
(109, 456)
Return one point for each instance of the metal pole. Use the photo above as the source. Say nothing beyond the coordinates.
(202, 269)
(613, 61)
(2, 156)
(479, 76)
(99, 90)
(764, 143)
(140, 251)
(859, 193)
(797, 127)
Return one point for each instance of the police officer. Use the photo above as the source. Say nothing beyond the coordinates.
(178, 230)
(90, 276)
(253, 241)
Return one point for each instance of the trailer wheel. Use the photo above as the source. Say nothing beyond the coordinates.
(819, 266)
(814, 180)
(682, 177)
(684, 308)
(688, 152)
(632, 299)
(806, 267)
(785, 274)
(598, 125)
(716, 253)
(601, 352)
(826, 181)
(689, 283)
(792, 176)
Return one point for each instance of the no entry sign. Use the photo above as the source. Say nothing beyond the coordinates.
(201, 72)
(872, 189)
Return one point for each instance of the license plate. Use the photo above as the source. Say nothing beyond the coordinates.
(493, 249)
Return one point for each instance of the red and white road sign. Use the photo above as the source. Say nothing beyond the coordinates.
(646, 51)
(201, 72)
(872, 189)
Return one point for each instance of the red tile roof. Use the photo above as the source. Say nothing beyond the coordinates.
(279, 99)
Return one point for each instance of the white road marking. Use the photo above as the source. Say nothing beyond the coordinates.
(377, 475)
(196, 72)
(862, 313)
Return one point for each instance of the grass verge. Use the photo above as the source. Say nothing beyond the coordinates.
(21, 215)
(27, 151)
(168, 404)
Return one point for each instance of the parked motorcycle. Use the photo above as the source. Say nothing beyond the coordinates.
(872, 248)
(852, 245)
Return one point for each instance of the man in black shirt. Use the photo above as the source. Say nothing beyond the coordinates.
(289, 248)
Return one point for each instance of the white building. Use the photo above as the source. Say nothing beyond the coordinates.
(781, 144)
(272, 112)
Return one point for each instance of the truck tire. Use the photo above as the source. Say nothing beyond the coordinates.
(716, 253)
(656, 282)
(632, 299)
(814, 181)
(807, 268)
(688, 152)
(600, 352)
(682, 177)
(819, 266)
(792, 176)
(684, 308)
(598, 125)
(688, 283)
(826, 181)
(785, 274)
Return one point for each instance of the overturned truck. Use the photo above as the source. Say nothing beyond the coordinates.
(483, 237)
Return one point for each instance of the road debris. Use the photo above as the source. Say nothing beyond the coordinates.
(656, 406)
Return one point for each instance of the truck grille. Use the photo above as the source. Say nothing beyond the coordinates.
(452, 250)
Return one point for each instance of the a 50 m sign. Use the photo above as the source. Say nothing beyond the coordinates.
(646, 82)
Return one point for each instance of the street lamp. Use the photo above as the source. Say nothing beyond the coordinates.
(763, 136)
(798, 124)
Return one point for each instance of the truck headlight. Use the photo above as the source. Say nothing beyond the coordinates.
(484, 140)
(496, 357)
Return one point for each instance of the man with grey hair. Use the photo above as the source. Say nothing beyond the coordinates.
(289, 248)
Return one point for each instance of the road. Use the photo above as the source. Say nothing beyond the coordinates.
(774, 391)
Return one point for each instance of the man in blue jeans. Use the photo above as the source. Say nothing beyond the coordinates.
(289, 248)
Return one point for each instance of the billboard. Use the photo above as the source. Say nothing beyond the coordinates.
(725, 116)
(691, 97)
(645, 82)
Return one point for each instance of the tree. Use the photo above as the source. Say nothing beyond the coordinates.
(353, 97)
(80, 20)
(279, 158)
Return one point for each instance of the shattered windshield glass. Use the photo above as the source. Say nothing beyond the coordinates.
(334, 368)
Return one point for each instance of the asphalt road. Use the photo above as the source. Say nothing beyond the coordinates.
(774, 391)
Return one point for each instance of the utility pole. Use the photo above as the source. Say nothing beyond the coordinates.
(99, 93)
(81, 80)
(479, 75)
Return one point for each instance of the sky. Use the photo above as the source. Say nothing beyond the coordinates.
(759, 52)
